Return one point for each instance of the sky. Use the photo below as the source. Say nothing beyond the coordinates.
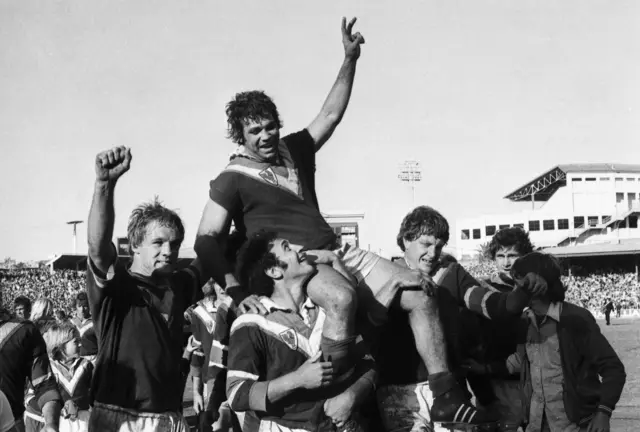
(486, 94)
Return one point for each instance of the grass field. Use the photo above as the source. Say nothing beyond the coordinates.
(624, 335)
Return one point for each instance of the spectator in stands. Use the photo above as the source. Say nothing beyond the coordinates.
(276, 375)
(23, 356)
(608, 308)
(61, 316)
(138, 312)
(22, 307)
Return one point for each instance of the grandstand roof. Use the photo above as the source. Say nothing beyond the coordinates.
(595, 250)
(545, 185)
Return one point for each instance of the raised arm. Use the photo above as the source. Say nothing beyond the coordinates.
(322, 127)
(110, 165)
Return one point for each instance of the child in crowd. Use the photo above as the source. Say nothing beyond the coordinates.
(73, 374)
(571, 378)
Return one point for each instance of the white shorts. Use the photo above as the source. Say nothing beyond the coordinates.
(359, 262)
(106, 417)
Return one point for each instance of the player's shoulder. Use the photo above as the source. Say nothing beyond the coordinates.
(251, 321)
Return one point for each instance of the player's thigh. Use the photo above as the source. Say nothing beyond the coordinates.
(330, 290)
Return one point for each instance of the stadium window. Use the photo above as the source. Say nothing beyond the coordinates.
(590, 179)
(476, 233)
(563, 224)
(631, 179)
(490, 230)
(619, 180)
(578, 222)
(606, 219)
(504, 226)
(633, 221)
(619, 197)
(576, 179)
(622, 223)
(592, 221)
(464, 234)
(534, 225)
(548, 225)
(604, 179)
(518, 226)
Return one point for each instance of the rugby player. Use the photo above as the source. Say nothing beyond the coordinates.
(408, 394)
(270, 184)
(276, 377)
(139, 311)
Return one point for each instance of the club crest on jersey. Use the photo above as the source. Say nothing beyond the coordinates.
(289, 337)
(269, 176)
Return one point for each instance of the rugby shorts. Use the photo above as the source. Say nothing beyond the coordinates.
(105, 417)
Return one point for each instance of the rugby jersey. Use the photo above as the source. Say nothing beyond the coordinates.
(203, 324)
(23, 358)
(88, 339)
(264, 348)
(281, 198)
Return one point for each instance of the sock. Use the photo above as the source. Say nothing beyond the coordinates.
(340, 352)
(441, 383)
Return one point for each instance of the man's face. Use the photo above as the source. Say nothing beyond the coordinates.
(505, 257)
(423, 253)
(82, 311)
(261, 138)
(158, 252)
(294, 265)
(21, 312)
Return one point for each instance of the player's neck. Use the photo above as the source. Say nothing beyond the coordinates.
(291, 297)
(539, 306)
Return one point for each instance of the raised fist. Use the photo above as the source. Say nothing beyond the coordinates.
(111, 164)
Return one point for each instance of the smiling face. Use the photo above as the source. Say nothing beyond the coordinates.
(158, 251)
(423, 253)
(292, 265)
(261, 138)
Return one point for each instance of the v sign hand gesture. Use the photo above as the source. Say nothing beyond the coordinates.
(350, 41)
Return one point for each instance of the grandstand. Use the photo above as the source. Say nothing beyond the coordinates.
(576, 210)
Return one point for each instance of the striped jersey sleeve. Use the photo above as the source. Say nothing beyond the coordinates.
(479, 298)
(197, 357)
(225, 317)
(41, 378)
(245, 391)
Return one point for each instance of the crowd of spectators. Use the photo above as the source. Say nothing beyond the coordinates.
(590, 291)
(60, 286)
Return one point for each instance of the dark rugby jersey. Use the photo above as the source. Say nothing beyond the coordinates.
(139, 328)
(278, 198)
(88, 339)
(263, 348)
(23, 358)
(203, 324)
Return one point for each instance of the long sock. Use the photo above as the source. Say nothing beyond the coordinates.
(441, 383)
(340, 352)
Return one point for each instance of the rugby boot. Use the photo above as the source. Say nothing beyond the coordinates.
(450, 405)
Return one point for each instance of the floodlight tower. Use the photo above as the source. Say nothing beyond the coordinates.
(411, 172)
(75, 237)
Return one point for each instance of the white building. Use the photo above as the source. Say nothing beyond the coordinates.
(569, 205)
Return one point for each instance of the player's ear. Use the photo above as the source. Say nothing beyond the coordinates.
(274, 272)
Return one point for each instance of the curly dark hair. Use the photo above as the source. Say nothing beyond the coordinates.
(251, 105)
(81, 299)
(508, 237)
(254, 258)
(420, 221)
(147, 213)
(545, 265)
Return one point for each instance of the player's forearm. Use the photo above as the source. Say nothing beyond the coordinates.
(517, 300)
(101, 221)
(282, 387)
(208, 248)
(364, 387)
(336, 103)
(51, 413)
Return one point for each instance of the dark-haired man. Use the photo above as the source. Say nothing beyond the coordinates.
(276, 378)
(139, 311)
(270, 184)
(572, 376)
(22, 307)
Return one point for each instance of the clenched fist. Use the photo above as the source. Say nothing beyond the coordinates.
(111, 164)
